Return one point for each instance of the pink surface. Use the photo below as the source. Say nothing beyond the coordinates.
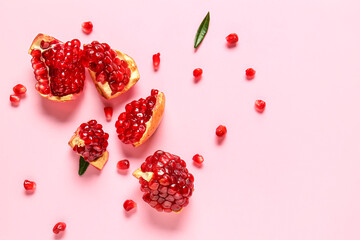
(289, 173)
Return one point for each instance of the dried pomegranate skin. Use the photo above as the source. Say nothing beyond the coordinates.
(165, 181)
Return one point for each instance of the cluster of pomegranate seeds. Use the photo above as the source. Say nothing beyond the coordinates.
(87, 27)
(156, 61)
(197, 72)
(59, 227)
(232, 38)
(29, 185)
(103, 60)
(131, 124)
(250, 73)
(197, 158)
(19, 90)
(221, 130)
(129, 205)
(260, 105)
(108, 113)
(95, 140)
(171, 185)
(57, 67)
(123, 164)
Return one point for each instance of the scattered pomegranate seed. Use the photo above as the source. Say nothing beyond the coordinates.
(14, 99)
(221, 130)
(250, 73)
(108, 113)
(198, 158)
(156, 61)
(197, 72)
(123, 164)
(60, 226)
(29, 185)
(260, 105)
(87, 27)
(232, 38)
(129, 204)
(19, 89)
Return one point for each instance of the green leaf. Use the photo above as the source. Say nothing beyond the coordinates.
(202, 30)
(83, 165)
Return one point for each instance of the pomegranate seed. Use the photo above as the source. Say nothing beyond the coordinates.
(108, 113)
(29, 185)
(232, 38)
(260, 105)
(60, 226)
(221, 130)
(156, 61)
(14, 99)
(19, 89)
(197, 72)
(250, 73)
(87, 27)
(123, 164)
(198, 158)
(129, 204)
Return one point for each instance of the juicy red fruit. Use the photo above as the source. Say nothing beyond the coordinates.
(94, 139)
(171, 185)
(156, 61)
(131, 124)
(197, 72)
(232, 38)
(108, 113)
(260, 105)
(29, 185)
(14, 99)
(123, 164)
(250, 73)
(59, 227)
(129, 205)
(221, 130)
(197, 158)
(87, 27)
(19, 89)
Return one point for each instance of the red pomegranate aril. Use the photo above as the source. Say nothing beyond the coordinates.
(29, 185)
(108, 113)
(260, 105)
(123, 164)
(250, 73)
(197, 72)
(87, 27)
(221, 130)
(156, 61)
(14, 99)
(232, 38)
(59, 227)
(197, 158)
(19, 89)
(129, 205)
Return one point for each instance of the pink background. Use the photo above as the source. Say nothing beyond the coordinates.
(289, 173)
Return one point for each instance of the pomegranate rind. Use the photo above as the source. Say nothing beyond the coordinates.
(105, 90)
(145, 175)
(36, 45)
(155, 119)
(98, 163)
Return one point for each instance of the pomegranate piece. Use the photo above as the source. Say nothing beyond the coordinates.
(197, 72)
(19, 89)
(165, 181)
(250, 73)
(14, 99)
(87, 27)
(140, 119)
(221, 130)
(156, 61)
(129, 204)
(260, 106)
(108, 113)
(59, 227)
(29, 185)
(123, 164)
(197, 158)
(90, 141)
(113, 72)
(57, 67)
(232, 38)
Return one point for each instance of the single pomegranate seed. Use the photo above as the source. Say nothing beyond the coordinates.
(221, 130)
(108, 113)
(232, 38)
(198, 158)
(87, 27)
(19, 89)
(29, 185)
(260, 105)
(250, 73)
(156, 61)
(60, 226)
(197, 72)
(129, 204)
(14, 99)
(123, 164)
